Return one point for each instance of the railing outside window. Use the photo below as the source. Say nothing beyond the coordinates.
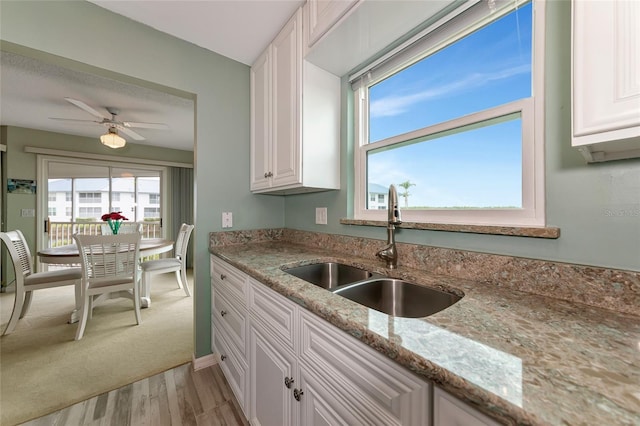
(61, 233)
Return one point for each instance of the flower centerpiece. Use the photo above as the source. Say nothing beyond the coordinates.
(115, 220)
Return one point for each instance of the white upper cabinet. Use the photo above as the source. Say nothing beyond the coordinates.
(324, 14)
(606, 79)
(295, 119)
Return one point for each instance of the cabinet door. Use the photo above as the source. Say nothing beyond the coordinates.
(286, 110)
(261, 121)
(272, 403)
(387, 393)
(450, 411)
(320, 406)
(606, 81)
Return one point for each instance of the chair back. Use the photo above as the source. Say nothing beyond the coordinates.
(108, 257)
(19, 252)
(182, 241)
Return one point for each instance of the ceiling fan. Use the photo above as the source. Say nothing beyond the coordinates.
(112, 123)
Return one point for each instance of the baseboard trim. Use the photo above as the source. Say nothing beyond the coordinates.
(204, 361)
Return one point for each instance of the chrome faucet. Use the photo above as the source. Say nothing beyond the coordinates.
(389, 253)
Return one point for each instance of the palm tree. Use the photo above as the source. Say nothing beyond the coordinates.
(405, 194)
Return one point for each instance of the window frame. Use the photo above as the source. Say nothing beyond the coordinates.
(43, 161)
(532, 212)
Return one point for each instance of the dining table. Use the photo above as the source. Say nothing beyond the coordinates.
(68, 254)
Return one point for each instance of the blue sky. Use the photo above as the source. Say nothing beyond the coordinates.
(478, 168)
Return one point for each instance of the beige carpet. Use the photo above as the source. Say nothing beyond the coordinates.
(43, 369)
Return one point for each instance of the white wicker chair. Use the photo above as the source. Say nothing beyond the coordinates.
(28, 281)
(109, 264)
(175, 264)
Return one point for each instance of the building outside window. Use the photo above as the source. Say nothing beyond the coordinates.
(89, 197)
(151, 212)
(90, 213)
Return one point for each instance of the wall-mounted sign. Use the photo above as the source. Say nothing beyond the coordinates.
(21, 186)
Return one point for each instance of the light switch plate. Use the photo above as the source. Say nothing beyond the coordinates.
(28, 212)
(227, 219)
(321, 215)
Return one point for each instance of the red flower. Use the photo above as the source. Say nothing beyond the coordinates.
(113, 216)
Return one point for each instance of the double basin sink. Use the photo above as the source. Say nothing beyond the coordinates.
(388, 295)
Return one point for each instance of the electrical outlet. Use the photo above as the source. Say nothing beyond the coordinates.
(321, 215)
(227, 219)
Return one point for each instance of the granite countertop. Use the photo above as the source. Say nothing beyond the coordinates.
(517, 357)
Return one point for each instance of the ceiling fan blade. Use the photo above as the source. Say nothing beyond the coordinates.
(159, 126)
(75, 120)
(86, 107)
(131, 133)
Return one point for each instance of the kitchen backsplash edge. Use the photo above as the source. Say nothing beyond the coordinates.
(613, 289)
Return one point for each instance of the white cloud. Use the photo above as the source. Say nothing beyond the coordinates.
(396, 105)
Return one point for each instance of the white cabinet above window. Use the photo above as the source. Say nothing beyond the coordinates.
(295, 119)
(605, 78)
(323, 15)
(343, 34)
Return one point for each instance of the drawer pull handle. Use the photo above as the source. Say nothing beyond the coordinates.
(223, 313)
(223, 357)
(297, 394)
(223, 276)
(288, 381)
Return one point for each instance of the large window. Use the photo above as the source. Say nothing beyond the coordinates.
(92, 190)
(453, 121)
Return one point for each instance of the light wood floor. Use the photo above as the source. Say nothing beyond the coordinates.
(176, 397)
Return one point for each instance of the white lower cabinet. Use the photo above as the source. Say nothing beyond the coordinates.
(271, 364)
(288, 367)
(450, 411)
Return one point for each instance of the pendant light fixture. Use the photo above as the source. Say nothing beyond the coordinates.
(112, 140)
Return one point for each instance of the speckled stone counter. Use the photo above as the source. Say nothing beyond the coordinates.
(518, 357)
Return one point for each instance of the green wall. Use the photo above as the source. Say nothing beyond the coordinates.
(596, 206)
(221, 90)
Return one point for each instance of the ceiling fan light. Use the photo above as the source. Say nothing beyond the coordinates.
(112, 140)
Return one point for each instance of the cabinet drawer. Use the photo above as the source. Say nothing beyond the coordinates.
(272, 312)
(450, 411)
(228, 280)
(232, 319)
(381, 383)
(234, 369)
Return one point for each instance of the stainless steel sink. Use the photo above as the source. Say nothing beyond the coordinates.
(397, 297)
(329, 275)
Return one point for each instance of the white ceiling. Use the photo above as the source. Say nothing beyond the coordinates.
(237, 29)
(33, 91)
